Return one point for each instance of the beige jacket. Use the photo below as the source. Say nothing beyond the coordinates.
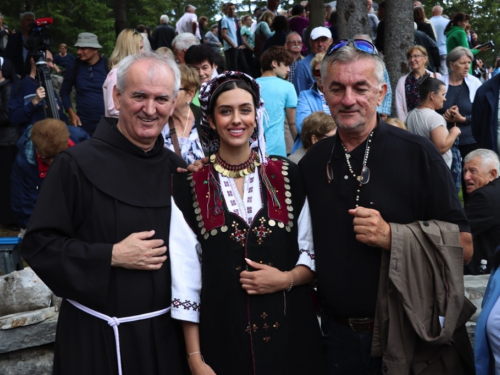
(421, 308)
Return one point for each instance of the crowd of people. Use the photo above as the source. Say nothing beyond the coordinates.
(268, 149)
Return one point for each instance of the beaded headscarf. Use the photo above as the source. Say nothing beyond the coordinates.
(209, 137)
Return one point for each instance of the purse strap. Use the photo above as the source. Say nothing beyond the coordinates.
(173, 136)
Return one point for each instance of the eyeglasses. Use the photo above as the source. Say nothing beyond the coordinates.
(317, 73)
(359, 44)
(90, 73)
(294, 43)
(415, 57)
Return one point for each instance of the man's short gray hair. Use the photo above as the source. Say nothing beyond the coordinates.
(161, 65)
(364, 37)
(164, 19)
(488, 158)
(185, 40)
(27, 14)
(457, 53)
(350, 54)
(293, 33)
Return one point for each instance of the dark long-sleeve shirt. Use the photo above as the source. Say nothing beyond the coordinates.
(22, 110)
(88, 83)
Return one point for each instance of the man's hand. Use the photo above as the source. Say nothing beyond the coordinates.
(73, 118)
(195, 167)
(264, 280)
(137, 252)
(370, 228)
(40, 95)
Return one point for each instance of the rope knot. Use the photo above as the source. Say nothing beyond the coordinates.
(113, 322)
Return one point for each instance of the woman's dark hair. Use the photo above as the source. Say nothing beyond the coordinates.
(228, 86)
(427, 84)
(458, 17)
(297, 10)
(202, 19)
(333, 18)
(280, 23)
(418, 14)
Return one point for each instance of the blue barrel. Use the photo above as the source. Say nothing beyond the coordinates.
(10, 255)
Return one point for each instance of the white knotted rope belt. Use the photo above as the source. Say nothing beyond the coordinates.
(115, 322)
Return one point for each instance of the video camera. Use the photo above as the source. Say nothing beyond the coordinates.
(39, 39)
(37, 43)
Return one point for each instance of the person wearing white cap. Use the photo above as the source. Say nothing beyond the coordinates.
(87, 75)
(188, 23)
(320, 40)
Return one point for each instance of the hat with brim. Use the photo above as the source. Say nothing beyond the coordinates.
(87, 40)
(320, 31)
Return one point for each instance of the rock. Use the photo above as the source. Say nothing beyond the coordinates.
(471, 329)
(56, 302)
(23, 291)
(26, 318)
(475, 285)
(29, 336)
(34, 361)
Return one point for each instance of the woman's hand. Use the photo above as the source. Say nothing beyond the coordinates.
(40, 95)
(452, 114)
(264, 280)
(197, 366)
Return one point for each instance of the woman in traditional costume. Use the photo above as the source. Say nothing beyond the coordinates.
(246, 308)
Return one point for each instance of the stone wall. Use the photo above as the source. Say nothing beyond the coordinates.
(27, 337)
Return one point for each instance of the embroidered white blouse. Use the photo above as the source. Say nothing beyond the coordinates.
(186, 254)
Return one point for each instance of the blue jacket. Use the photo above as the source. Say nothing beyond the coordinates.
(303, 79)
(309, 101)
(485, 114)
(21, 109)
(25, 179)
(482, 350)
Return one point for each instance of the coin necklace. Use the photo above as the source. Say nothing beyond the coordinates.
(235, 171)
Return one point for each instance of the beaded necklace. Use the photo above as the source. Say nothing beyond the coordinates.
(235, 171)
(364, 176)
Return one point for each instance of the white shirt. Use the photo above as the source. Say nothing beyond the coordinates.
(185, 24)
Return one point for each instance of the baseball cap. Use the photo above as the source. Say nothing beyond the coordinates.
(320, 31)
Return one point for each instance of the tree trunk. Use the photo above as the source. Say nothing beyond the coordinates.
(399, 37)
(316, 13)
(353, 18)
(120, 16)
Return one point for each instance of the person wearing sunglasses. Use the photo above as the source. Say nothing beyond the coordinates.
(368, 187)
(320, 39)
(311, 100)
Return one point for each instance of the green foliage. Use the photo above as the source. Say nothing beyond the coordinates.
(72, 17)
(485, 15)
